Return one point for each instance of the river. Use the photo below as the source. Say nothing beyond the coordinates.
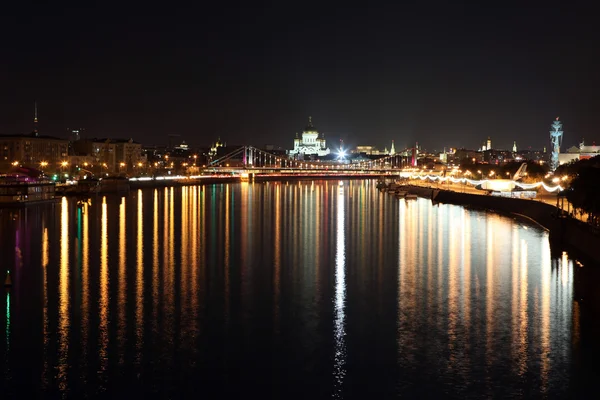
(299, 290)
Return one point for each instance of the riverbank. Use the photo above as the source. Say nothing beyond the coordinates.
(566, 233)
(208, 180)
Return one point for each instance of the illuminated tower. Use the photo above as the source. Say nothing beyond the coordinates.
(35, 119)
(555, 140)
(415, 154)
(392, 149)
(489, 144)
(514, 147)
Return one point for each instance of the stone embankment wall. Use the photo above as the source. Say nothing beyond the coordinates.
(565, 233)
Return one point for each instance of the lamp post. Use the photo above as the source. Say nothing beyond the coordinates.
(64, 165)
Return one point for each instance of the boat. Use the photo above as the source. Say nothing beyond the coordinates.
(18, 189)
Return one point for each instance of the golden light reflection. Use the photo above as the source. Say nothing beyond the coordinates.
(523, 315)
(184, 283)
(466, 248)
(155, 261)
(244, 234)
(403, 331)
(46, 332)
(139, 289)
(519, 301)
(85, 283)
(317, 229)
(453, 288)
(489, 289)
(226, 256)
(546, 278)
(339, 371)
(122, 279)
(430, 262)
(45, 256)
(277, 257)
(564, 269)
(104, 283)
(195, 256)
(169, 266)
(202, 240)
(63, 308)
(441, 213)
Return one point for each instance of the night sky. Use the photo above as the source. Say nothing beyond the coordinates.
(443, 73)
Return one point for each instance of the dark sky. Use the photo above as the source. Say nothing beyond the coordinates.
(443, 73)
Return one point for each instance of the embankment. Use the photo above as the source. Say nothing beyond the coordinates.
(565, 233)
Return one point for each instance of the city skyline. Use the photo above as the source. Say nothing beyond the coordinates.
(444, 75)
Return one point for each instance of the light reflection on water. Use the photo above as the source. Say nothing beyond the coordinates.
(244, 288)
(340, 296)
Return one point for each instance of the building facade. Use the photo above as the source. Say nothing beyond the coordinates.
(32, 151)
(310, 143)
(111, 155)
(575, 153)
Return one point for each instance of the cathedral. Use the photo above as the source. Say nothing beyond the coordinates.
(311, 143)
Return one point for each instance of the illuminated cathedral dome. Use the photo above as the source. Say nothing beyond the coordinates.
(310, 143)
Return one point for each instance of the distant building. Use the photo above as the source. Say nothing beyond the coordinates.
(487, 145)
(374, 151)
(101, 151)
(368, 150)
(473, 156)
(111, 155)
(576, 153)
(310, 143)
(214, 148)
(32, 150)
(128, 152)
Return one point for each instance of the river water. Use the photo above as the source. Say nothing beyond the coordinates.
(304, 290)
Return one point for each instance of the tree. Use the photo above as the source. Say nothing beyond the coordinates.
(584, 192)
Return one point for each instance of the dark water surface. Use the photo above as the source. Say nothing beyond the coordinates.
(309, 290)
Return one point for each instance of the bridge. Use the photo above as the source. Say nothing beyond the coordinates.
(251, 160)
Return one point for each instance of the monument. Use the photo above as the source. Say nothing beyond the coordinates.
(555, 140)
